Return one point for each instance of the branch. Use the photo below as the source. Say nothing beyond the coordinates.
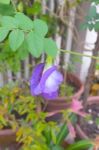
(91, 72)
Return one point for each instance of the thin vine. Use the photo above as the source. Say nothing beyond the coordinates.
(79, 54)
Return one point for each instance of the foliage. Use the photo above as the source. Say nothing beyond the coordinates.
(6, 9)
(35, 9)
(16, 30)
(95, 1)
(19, 111)
(9, 59)
(80, 145)
(22, 29)
(66, 90)
(97, 65)
(92, 19)
(20, 35)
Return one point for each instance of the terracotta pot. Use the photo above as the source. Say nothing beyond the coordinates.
(61, 103)
(8, 139)
(91, 100)
(7, 136)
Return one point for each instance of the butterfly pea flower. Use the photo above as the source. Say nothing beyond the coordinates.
(45, 82)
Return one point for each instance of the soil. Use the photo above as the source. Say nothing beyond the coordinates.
(91, 126)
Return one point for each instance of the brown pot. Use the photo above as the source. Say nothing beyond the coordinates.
(61, 103)
(7, 136)
(91, 100)
(8, 139)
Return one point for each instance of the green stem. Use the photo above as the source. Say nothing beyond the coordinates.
(79, 54)
(49, 60)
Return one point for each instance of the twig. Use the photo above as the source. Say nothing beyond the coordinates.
(79, 54)
(66, 23)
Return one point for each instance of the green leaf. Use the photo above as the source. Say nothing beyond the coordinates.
(97, 121)
(90, 26)
(9, 22)
(56, 147)
(97, 66)
(96, 26)
(35, 9)
(73, 118)
(22, 51)
(47, 135)
(40, 27)
(81, 145)
(53, 135)
(3, 120)
(97, 16)
(50, 47)
(16, 38)
(6, 9)
(64, 129)
(25, 22)
(5, 1)
(92, 11)
(84, 26)
(35, 44)
(95, 1)
(3, 33)
(62, 134)
(20, 6)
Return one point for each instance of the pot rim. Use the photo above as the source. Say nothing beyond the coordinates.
(7, 137)
(7, 132)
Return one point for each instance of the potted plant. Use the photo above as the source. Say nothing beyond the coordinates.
(22, 125)
(45, 81)
(21, 30)
(23, 113)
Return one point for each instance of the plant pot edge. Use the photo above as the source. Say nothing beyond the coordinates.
(7, 136)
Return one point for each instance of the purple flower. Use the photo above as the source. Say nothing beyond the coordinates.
(45, 82)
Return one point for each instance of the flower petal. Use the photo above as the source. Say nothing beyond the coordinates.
(50, 96)
(51, 79)
(47, 83)
(35, 79)
(45, 76)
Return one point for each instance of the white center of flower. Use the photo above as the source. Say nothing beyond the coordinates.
(53, 81)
